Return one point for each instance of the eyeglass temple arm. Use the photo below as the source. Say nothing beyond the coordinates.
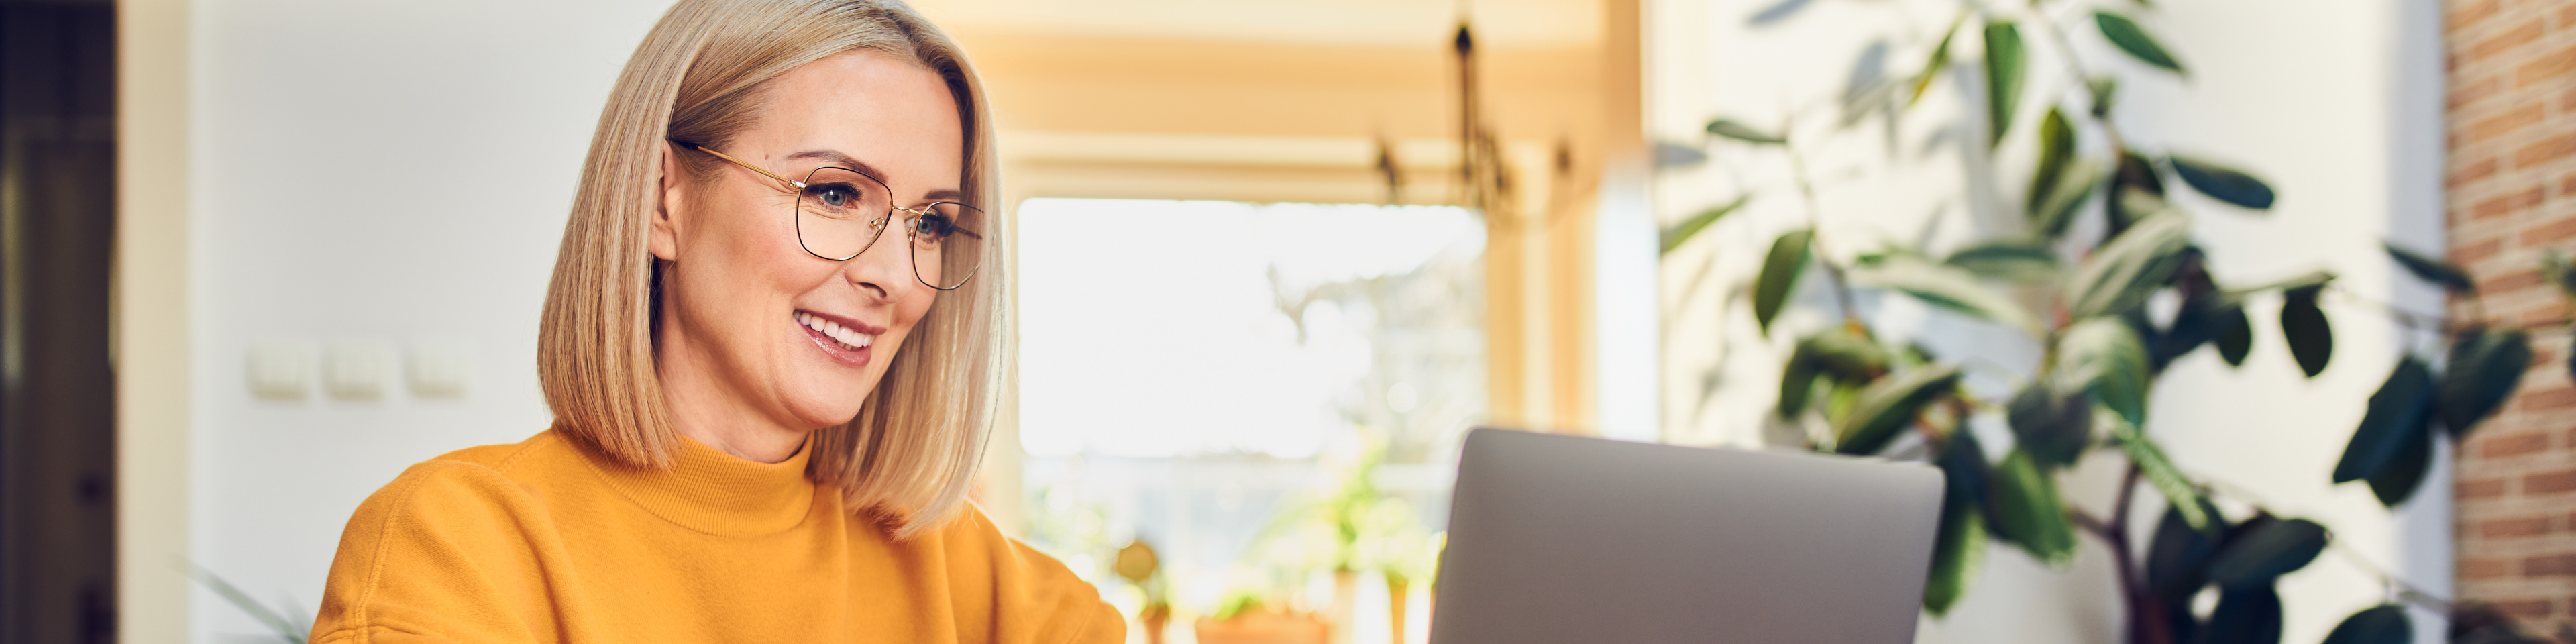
(739, 162)
(792, 182)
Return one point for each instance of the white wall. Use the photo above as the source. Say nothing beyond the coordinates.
(389, 172)
(2337, 103)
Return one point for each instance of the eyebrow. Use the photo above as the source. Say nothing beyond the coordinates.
(835, 157)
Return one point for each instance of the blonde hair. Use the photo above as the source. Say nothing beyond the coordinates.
(910, 455)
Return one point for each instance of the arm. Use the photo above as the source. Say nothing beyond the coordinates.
(1033, 598)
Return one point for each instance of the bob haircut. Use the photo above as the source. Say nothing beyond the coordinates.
(701, 75)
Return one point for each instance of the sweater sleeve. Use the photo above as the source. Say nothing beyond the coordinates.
(449, 552)
(1033, 598)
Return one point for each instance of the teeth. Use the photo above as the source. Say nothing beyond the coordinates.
(849, 338)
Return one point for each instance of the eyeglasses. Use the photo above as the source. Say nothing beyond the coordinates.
(840, 212)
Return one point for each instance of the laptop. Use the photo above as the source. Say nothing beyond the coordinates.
(1567, 539)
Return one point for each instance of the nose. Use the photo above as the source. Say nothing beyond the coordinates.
(884, 267)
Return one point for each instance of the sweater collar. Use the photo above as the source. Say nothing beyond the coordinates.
(717, 493)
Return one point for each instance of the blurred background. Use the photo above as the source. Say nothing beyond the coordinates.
(261, 255)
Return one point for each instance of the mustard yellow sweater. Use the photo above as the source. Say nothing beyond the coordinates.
(544, 541)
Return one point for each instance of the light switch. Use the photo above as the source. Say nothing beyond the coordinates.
(281, 370)
(440, 368)
(357, 369)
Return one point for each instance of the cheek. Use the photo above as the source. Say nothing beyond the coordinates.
(914, 306)
(757, 246)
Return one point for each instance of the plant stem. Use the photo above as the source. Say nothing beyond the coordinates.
(2066, 55)
(2436, 323)
(2414, 320)
(2145, 613)
(1816, 243)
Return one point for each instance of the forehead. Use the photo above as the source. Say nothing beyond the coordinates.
(893, 115)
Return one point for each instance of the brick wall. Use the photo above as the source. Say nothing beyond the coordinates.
(2512, 196)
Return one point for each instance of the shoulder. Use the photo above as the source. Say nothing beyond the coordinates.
(425, 553)
(483, 489)
(474, 476)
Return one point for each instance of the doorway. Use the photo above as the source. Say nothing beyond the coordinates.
(57, 226)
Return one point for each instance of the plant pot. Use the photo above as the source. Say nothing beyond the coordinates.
(1264, 627)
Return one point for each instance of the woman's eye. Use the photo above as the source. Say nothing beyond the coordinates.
(935, 226)
(837, 196)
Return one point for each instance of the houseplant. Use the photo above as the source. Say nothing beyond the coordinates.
(2099, 243)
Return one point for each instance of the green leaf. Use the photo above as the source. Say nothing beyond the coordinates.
(1965, 472)
(2133, 40)
(1797, 382)
(1836, 352)
(2023, 503)
(1733, 129)
(2479, 622)
(1779, 277)
(2103, 356)
(2382, 624)
(2235, 332)
(2485, 367)
(2076, 186)
(2160, 473)
(2009, 260)
(2265, 550)
(2101, 89)
(2053, 426)
(2396, 482)
(2394, 418)
(1891, 404)
(1960, 549)
(2137, 192)
(2246, 616)
(2122, 272)
(1839, 399)
(2195, 324)
(2003, 78)
(2555, 266)
(1847, 356)
(1940, 60)
(2178, 557)
(1956, 555)
(1944, 286)
(2136, 172)
(2304, 326)
(1683, 232)
(2224, 183)
(2428, 268)
(2056, 146)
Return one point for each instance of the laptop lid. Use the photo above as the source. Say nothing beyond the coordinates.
(1568, 539)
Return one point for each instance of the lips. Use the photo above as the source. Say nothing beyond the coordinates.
(850, 335)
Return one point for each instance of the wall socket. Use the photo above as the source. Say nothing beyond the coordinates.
(360, 369)
(281, 369)
(357, 369)
(439, 368)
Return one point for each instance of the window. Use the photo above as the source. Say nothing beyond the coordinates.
(1194, 373)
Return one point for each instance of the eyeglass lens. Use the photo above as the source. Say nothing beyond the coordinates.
(842, 212)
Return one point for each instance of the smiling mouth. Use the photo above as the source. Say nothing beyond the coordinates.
(848, 338)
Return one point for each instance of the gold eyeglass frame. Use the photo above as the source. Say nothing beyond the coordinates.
(910, 231)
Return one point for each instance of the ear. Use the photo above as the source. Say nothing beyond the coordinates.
(665, 242)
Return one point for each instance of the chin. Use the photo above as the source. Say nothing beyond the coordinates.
(829, 406)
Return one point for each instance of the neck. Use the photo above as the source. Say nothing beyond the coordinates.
(717, 415)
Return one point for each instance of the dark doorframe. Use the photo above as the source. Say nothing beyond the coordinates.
(57, 404)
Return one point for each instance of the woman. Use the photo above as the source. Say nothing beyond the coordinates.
(771, 345)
